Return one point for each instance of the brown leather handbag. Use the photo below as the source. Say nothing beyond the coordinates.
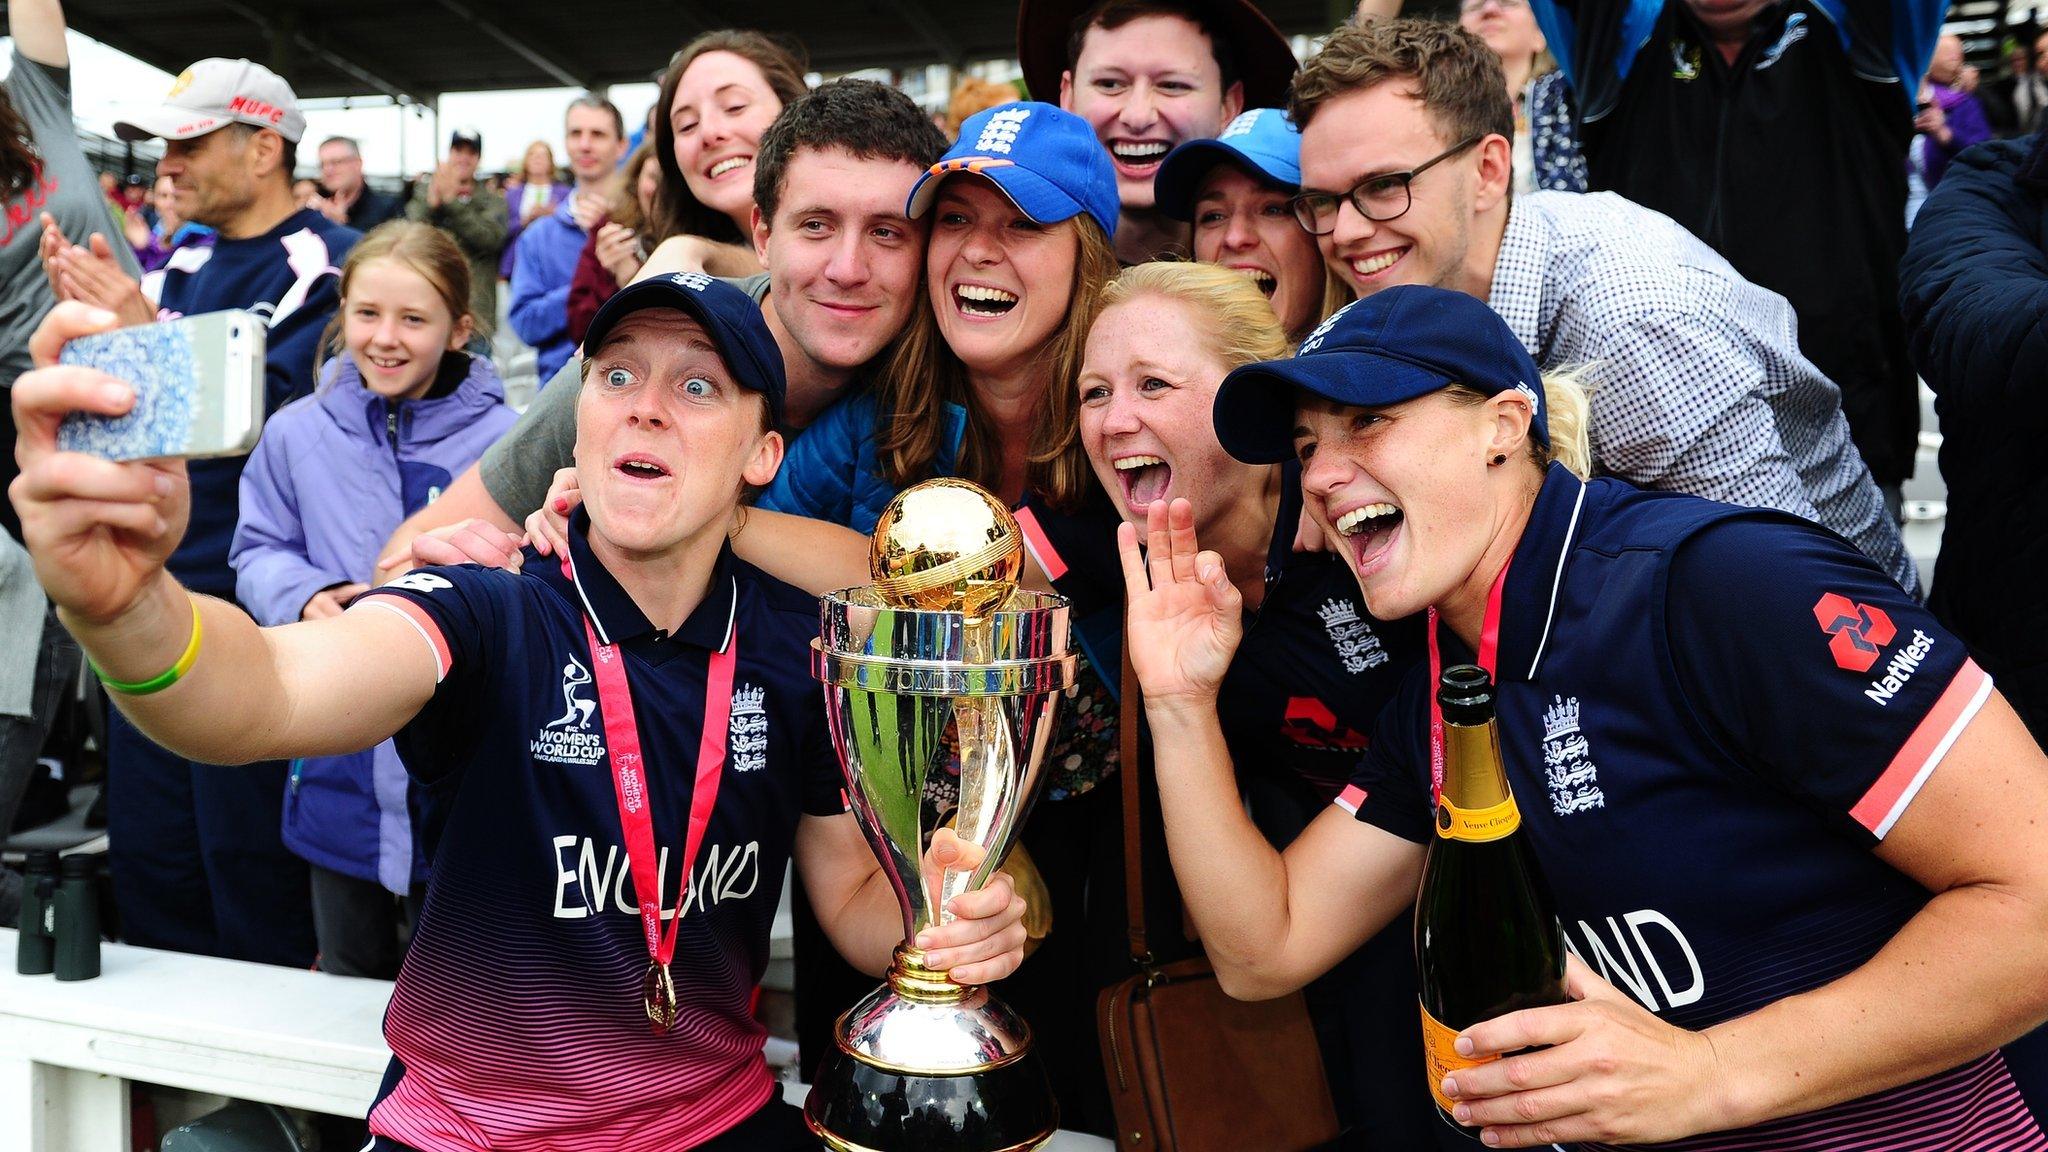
(1191, 1069)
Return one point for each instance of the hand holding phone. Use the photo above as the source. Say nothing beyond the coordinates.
(99, 531)
(198, 384)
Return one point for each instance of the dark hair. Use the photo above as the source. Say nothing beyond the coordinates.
(19, 157)
(593, 100)
(1460, 79)
(782, 66)
(872, 121)
(1110, 15)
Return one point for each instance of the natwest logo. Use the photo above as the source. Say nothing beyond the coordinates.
(1857, 633)
(255, 109)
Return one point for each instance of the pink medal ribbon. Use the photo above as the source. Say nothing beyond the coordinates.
(629, 786)
(1489, 656)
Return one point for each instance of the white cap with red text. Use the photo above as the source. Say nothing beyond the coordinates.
(212, 94)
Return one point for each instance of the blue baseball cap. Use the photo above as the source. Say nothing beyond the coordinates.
(1262, 141)
(1394, 345)
(729, 316)
(1046, 160)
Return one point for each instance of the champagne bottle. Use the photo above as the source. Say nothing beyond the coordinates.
(1487, 938)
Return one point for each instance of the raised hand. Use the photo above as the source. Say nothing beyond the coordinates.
(92, 275)
(99, 531)
(1183, 616)
(618, 249)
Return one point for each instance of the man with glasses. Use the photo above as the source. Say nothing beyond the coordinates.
(1700, 385)
(349, 199)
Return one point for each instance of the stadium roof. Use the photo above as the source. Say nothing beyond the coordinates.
(417, 49)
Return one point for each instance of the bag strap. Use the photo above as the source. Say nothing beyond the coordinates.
(1134, 868)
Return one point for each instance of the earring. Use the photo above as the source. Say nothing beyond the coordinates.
(1500, 459)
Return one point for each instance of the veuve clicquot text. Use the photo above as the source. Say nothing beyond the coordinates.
(1487, 939)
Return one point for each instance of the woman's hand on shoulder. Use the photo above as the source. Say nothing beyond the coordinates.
(547, 530)
(463, 542)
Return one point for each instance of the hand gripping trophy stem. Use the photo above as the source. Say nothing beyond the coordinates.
(942, 683)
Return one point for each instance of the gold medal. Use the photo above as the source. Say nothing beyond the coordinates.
(658, 996)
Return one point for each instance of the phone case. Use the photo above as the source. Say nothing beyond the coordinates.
(198, 388)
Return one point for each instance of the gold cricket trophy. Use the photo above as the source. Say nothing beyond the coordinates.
(942, 683)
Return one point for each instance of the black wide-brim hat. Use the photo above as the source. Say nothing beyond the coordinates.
(1266, 64)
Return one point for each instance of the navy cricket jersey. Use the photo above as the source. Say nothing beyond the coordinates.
(1710, 716)
(517, 1020)
(1303, 693)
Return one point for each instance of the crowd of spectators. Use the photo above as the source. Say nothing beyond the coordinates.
(1745, 230)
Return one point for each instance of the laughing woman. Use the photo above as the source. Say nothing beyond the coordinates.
(721, 93)
(981, 387)
(1766, 823)
(1022, 211)
(1315, 668)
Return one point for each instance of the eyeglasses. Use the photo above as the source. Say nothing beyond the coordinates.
(1380, 198)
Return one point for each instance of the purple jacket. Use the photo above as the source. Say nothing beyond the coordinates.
(1966, 127)
(332, 477)
(557, 193)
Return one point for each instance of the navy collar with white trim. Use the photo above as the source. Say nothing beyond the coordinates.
(1528, 607)
(618, 620)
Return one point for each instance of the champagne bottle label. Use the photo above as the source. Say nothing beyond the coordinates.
(1440, 1057)
(1477, 825)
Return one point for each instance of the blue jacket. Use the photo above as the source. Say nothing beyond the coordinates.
(832, 472)
(331, 479)
(541, 272)
(289, 275)
(1973, 288)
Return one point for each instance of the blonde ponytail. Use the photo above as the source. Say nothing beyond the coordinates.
(1568, 403)
(1568, 396)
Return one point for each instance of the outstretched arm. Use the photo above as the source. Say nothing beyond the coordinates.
(38, 30)
(1271, 921)
(99, 533)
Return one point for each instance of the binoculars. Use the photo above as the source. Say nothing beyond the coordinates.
(60, 917)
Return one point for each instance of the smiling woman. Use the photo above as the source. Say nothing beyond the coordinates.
(720, 94)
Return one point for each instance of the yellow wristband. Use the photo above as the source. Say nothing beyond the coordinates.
(168, 676)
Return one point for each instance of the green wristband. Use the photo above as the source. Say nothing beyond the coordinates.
(161, 680)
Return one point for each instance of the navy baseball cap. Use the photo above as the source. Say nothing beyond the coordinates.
(728, 315)
(1262, 141)
(1394, 345)
(1045, 159)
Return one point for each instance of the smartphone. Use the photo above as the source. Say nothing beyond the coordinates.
(198, 388)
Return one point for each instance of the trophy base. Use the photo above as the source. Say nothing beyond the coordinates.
(929, 1065)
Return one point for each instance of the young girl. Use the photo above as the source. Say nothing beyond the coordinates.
(400, 411)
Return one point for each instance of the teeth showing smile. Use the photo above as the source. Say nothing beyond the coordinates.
(386, 364)
(980, 300)
(642, 469)
(728, 164)
(1145, 478)
(1360, 519)
(1375, 264)
(1140, 153)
